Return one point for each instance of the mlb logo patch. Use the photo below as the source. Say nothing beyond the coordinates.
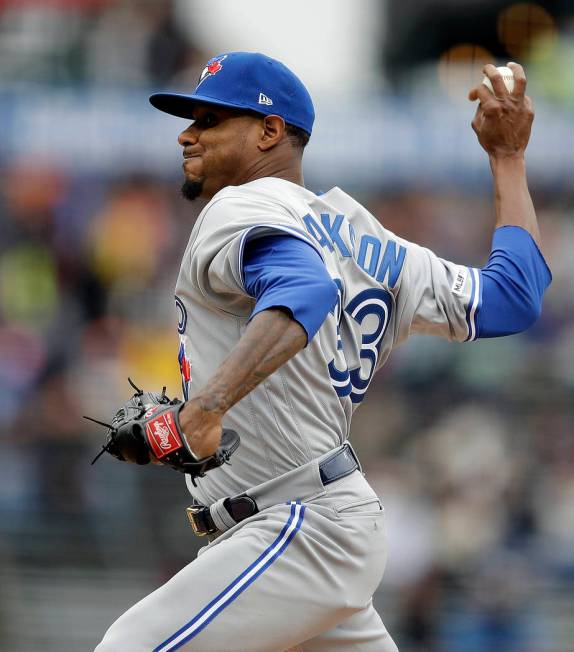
(460, 281)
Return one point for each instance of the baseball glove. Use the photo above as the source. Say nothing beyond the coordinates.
(148, 425)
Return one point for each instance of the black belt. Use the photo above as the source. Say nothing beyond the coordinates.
(342, 463)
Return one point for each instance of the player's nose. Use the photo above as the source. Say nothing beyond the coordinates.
(188, 136)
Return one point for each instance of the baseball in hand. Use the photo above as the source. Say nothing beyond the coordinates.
(507, 78)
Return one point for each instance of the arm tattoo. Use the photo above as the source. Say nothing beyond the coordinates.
(271, 338)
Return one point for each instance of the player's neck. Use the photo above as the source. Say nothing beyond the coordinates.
(287, 168)
(289, 175)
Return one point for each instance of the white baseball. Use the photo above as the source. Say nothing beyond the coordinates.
(507, 78)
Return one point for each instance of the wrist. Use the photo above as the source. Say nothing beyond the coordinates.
(197, 410)
(200, 427)
(509, 174)
(507, 161)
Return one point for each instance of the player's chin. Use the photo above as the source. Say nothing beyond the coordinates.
(192, 189)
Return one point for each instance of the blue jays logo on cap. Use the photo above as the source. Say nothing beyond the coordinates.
(212, 68)
(250, 80)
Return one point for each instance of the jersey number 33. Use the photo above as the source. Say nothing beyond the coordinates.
(376, 303)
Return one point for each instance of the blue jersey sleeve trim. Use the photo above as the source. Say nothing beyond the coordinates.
(474, 303)
(510, 286)
(283, 271)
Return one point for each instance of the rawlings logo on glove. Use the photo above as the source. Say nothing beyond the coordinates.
(148, 425)
(162, 434)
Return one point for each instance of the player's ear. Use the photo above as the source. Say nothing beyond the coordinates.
(272, 132)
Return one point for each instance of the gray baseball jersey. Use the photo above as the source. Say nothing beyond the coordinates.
(388, 289)
(297, 576)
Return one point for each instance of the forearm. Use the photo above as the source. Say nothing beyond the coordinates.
(271, 338)
(512, 199)
(514, 280)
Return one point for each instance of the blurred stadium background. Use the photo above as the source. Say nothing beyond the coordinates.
(470, 446)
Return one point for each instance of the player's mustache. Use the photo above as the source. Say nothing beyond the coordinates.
(188, 153)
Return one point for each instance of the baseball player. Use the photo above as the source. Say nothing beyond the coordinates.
(288, 302)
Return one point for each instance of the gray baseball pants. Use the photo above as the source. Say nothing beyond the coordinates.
(297, 576)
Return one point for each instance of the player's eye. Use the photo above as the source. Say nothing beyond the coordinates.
(206, 121)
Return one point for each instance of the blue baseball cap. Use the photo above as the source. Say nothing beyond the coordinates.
(245, 80)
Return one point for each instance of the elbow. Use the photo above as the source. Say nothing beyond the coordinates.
(532, 312)
(529, 313)
(508, 305)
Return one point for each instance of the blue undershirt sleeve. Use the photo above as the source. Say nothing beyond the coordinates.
(282, 271)
(511, 284)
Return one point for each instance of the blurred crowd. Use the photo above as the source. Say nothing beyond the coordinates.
(469, 445)
(95, 41)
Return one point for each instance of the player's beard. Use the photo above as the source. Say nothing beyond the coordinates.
(191, 189)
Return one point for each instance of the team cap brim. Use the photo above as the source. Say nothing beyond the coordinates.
(182, 105)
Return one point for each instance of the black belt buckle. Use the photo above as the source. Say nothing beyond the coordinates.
(201, 521)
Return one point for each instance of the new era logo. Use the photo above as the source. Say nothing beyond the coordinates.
(263, 99)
